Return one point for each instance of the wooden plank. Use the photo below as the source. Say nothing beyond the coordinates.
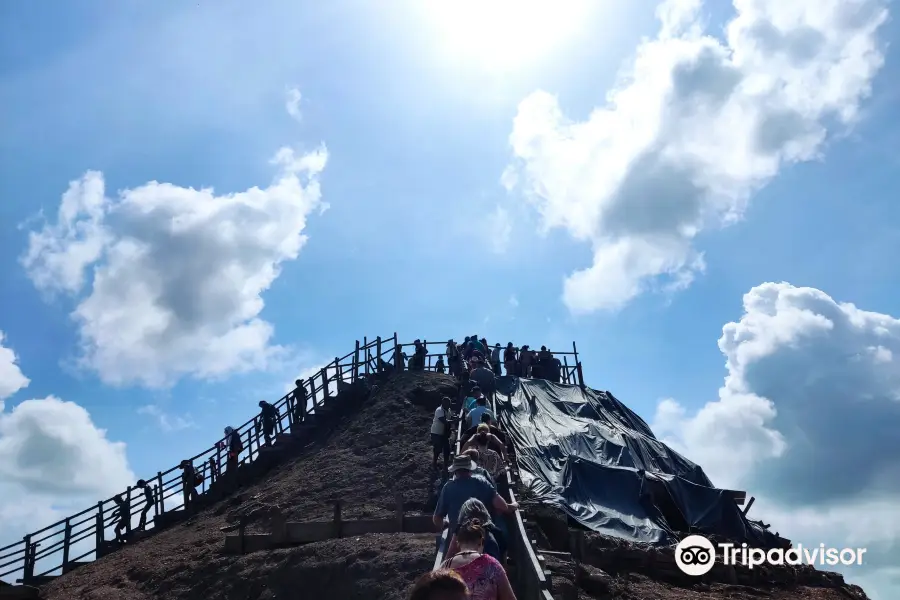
(304, 533)
(418, 524)
(252, 542)
(362, 527)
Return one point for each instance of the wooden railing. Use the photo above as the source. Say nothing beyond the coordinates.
(66, 544)
(58, 548)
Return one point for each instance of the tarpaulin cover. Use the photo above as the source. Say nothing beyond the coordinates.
(588, 454)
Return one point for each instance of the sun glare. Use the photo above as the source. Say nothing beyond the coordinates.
(504, 34)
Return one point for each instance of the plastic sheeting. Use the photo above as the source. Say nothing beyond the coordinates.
(588, 454)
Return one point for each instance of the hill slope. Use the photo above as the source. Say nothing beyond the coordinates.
(382, 448)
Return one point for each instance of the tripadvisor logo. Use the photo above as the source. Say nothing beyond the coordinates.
(695, 555)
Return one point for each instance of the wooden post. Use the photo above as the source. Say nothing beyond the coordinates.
(338, 526)
(128, 510)
(378, 355)
(99, 527)
(324, 384)
(366, 347)
(580, 375)
(337, 371)
(356, 363)
(575, 351)
(565, 370)
(395, 342)
(28, 571)
(67, 542)
(161, 507)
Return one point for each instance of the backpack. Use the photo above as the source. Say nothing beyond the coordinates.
(198, 479)
(237, 445)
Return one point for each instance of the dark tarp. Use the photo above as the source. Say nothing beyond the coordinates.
(588, 454)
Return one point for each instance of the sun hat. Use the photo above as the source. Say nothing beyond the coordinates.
(461, 463)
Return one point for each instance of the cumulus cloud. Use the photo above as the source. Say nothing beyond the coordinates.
(56, 461)
(168, 280)
(292, 103)
(11, 378)
(806, 420)
(693, 128)
(165, 421)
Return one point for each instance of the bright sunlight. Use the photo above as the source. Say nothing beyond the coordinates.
(505, 34)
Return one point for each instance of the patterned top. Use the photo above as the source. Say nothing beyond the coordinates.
(482, 577)
(490, 460)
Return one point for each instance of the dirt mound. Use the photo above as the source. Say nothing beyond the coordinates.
(379, 566)
(382, 448)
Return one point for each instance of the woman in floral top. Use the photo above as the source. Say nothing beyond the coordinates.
(483, 575)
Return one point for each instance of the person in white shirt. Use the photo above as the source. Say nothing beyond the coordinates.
(440, 432)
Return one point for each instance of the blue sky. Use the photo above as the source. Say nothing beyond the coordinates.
(453, 185)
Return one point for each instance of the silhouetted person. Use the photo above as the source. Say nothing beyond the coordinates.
(439, 365)
(149, 502)
(268, 415)
(555, 369)
(400, 358)
(509, 360)
(189, 481)
(419, 356)
(300, 400)
(121, 512)
(453, 357)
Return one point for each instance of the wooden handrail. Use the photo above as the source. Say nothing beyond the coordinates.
(349, 368)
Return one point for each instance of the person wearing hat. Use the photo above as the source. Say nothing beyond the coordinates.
(149, 502)
(464, 485)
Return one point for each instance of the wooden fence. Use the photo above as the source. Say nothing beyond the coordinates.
(67, 544)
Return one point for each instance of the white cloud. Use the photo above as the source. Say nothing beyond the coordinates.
(168, 280)
(807, 421)
(694, 127)
(56, 462)
(167, 422)
(498, 229)
(513, 301)
(11, 378)
(292, 103)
